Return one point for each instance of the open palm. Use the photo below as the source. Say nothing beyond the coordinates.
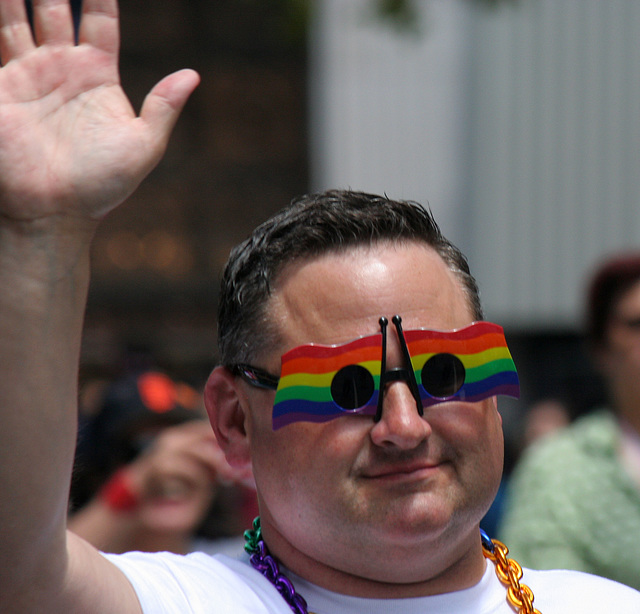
(70, 141)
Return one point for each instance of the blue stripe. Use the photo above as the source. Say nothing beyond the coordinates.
(295, 410)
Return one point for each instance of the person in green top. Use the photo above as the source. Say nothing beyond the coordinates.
(574, 499)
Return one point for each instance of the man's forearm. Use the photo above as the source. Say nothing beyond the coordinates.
(44, 275)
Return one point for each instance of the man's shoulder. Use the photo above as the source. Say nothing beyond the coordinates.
(566, 592)
(197, 583)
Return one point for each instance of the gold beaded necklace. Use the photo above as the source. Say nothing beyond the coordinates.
(509, 572)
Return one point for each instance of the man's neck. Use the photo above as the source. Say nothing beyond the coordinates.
(323, 601)
(416, 571)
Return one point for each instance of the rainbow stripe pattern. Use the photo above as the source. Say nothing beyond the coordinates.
(304, 389)
(482, 349)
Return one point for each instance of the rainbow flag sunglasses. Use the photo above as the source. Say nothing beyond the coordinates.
(322, 382)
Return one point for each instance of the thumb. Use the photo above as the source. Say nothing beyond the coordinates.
(164, 103)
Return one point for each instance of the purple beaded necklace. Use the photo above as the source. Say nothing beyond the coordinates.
(509, 572)
(268, 567)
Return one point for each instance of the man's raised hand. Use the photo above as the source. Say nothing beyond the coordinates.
(70, 142)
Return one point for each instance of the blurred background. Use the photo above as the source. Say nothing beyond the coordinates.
(514, 120)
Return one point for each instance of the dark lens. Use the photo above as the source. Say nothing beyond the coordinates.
(443, 375)
(352, 387)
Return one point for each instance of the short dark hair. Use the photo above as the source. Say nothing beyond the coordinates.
(310, 226)
(610, 281)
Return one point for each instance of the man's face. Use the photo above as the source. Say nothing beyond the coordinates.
(363, 497)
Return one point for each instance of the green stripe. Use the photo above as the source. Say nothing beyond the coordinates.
(304, 393)
(323, 393)
(477, 374)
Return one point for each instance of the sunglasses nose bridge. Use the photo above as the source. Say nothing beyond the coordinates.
(395, 355)
(398, 375)
(405, 372)
(400, 424)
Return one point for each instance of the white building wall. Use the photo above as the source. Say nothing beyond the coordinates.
(518, 125)
(555, 138)
(388, 107)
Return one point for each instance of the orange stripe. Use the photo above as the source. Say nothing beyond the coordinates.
(456, 346)
(310, 364)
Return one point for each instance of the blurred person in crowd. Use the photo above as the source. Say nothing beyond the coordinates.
(574, 499)
(544, 417)
(150, 476)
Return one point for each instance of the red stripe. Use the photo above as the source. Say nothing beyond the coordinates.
(326, 358)
(455, 346)
(313, 358)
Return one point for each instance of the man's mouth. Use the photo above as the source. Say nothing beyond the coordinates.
(419, 469)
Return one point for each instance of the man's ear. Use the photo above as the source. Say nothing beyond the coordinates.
(228, 413)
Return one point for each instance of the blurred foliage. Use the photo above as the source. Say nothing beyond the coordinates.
(401, 14)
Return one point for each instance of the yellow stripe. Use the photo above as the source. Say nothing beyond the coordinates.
(468, 360)
(322, 380)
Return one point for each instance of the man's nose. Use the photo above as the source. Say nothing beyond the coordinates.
(400, 424)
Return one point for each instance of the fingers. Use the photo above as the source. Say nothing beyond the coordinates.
(53, 25)
(186, 449)
(15, 31)
(52, 22)
(99, 25)
(190, 452)
(162, 106)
